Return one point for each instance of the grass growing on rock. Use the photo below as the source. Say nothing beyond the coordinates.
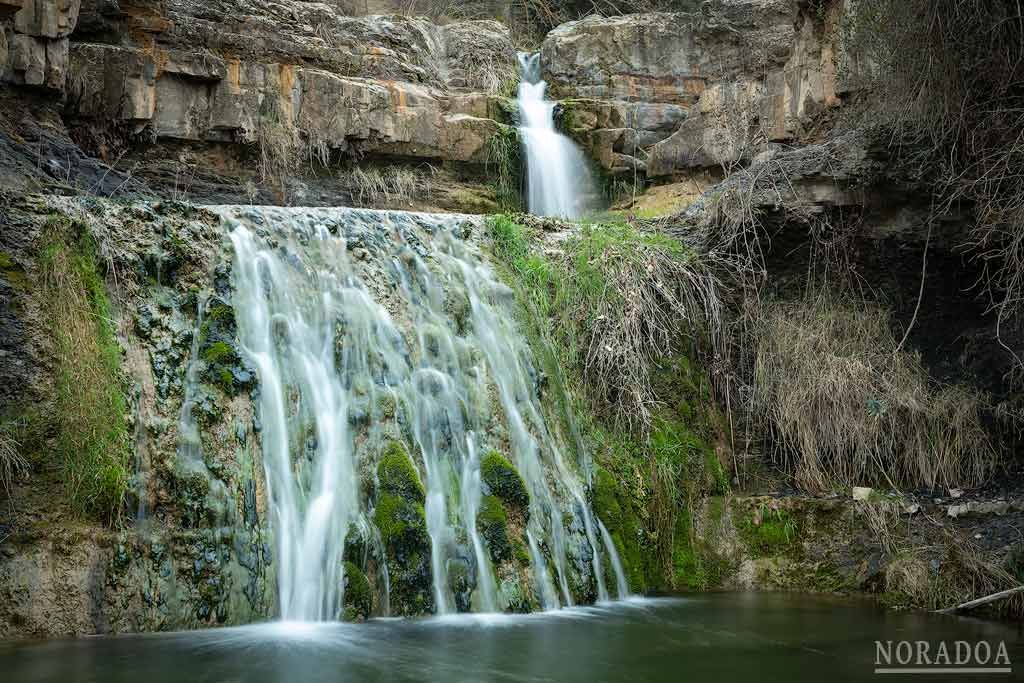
(88, 417)
(619, 301)
(613, 315)
(504, 166)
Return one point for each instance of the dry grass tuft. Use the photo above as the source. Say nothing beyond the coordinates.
(12, 463)
(393, 184)
(846, 406)
(621, 301)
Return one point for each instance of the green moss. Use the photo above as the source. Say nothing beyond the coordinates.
(12, 273)
(398, 475)
(492, 522)
(399, 517)
(89, 412)
(470, 200)
(358, 603)
(219, 352)
(521, 552)
(503, 479)
(767, 532)
(562, 301)
(615, 507)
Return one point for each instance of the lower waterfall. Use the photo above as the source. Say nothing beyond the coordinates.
(379, 333)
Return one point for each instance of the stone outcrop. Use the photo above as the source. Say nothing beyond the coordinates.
(667, 92)
(267, 92)
(368, 84)
(34, 48)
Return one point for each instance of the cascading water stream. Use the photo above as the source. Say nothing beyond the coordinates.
(558, 180)
(424, 323)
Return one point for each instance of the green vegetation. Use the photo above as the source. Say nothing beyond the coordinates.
(399, 517)
(504, 165)
(503, 480)
(768, 531)
(492, 522)
(88, 416)
(358, 604)
(12, 462)
(619, 301)
(398, 475)
(614, 342)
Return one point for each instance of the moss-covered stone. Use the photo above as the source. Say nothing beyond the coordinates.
(492, 522)
(503, 480)
(615, 510)
(398, 475)
(358, 601)
(400, 519)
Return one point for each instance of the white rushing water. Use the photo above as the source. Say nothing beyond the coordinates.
(420, 319)
(558, 177)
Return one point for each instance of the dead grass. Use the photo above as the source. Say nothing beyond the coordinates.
(373, 186)
(931, 565)
(12, 463)
(845, 406)
(620, 301)
(280, 144)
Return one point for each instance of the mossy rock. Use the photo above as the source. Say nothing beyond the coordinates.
(399, 517)
(503, 480)
(358, 602)
(615, 510)
(223, 365)
(398, 475)
(492, 523)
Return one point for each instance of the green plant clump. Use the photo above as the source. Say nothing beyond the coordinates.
(398, 475)
(358, 596)
(89, 415)
(768, 532)
(399, 517)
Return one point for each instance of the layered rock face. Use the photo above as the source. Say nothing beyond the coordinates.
(673, 91)
(290, 83)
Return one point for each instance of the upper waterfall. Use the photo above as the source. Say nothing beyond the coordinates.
(559, 182)
(392, 379)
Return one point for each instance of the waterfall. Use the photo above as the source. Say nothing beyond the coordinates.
(558, 177)
(341, 311)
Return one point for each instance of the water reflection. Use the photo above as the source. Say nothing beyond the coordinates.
(723, 637)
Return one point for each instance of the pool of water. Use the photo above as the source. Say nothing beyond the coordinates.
(717, 637)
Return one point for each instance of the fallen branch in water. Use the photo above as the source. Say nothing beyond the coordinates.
(982, 601)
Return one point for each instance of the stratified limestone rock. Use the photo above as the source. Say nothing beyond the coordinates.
(682, 90)
(47, 18)
(37, 52)
(369, 84)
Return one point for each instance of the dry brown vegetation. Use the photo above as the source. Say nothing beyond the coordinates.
(845, 405)
(934, 567)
